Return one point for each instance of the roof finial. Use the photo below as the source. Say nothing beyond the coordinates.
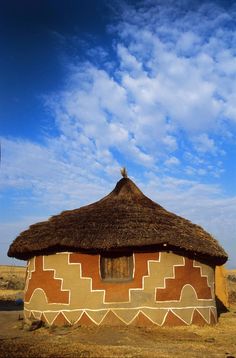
(124, 172)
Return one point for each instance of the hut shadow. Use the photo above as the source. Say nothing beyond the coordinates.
(11, 305)
(221, 308)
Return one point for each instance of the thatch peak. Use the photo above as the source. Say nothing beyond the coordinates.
(125, 189)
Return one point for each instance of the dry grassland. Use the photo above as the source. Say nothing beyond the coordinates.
(12, 279)
(12, 269)
(231, 285)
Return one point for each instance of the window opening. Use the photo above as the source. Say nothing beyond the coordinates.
(116, 268)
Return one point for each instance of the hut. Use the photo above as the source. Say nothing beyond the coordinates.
(123, 260)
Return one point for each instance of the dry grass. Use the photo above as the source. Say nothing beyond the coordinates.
(6, 269)
(231, 282)
(12, 280)
(9, 294)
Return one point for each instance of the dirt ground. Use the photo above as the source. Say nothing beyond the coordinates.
(215, 341)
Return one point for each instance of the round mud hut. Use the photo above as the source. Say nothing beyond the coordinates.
(123, 260)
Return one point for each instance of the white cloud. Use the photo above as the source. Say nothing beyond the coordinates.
(9, 231)
(203, 204)
(187, 41)
(205, 144)
(171, 77)
(128, 61)
(60, 175)
(172, 161)
(165, 104)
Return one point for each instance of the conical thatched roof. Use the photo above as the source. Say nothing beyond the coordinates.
(124, 219)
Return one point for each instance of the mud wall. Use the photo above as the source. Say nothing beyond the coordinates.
(166, 290)
(221, 289)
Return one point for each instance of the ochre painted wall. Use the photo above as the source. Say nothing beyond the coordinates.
(166, 290)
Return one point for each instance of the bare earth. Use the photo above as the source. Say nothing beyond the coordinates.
(215, 341)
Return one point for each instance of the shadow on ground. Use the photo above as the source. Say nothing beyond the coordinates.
(11, 305)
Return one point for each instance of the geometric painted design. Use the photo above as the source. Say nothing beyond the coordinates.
(186, 314)
(32, 316)
(126, 316)
(141, 320)
(184, 275)
(111, 319)
(43, 318)
(61, 320)
(97, 316)
(27, 314)
(36, 314)
(114, 292)
(173, 320)
(213, 319)
(66, 289)
(157, 315)
(49, 317)
(85, 320)
(198, 319)
(205, 313)
(72, 317)
(45, 280)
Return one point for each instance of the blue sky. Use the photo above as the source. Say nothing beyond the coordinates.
(87, 87)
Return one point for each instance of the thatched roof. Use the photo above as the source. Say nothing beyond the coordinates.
(124, 219)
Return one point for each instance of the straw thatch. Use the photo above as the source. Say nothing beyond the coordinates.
(124, 219)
